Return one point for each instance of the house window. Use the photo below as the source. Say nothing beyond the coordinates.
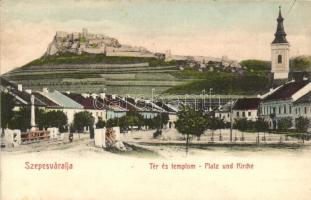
(249, 113)
(305, 110)
(290, 109)
(243, 114)
(279, 58)
(285, 109)
(237, 114)
(279, 109)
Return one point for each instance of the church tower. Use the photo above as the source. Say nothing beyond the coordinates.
(280, 52)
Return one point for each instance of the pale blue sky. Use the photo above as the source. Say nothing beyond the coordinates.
(239, 29)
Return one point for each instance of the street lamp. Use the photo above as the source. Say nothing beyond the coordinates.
(210, 99)
(203, 100)
(152, 93)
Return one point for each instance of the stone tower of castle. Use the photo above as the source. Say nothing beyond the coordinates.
(280, 51)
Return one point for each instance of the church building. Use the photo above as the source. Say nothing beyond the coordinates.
(280, 52)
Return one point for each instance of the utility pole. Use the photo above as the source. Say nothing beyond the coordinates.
(210, 99)
(218, 102)
(152, 93)
(231, 124)
(203, 100)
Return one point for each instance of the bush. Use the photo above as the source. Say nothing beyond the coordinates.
(261, 125)
(83, 119)
(100, 123)
(302, 124)
(284, 123)
(243, 124)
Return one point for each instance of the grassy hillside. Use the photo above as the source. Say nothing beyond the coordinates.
(94, 72)
(256, 65)
(92, 59)
(222, 83)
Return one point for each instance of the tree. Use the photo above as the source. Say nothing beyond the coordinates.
(20, 119)
(112, 122)
(160, 120)
(221, 124)
(100, 123)
(134, 119)
(302, 124)
(284, 123)
(57, 119)
(83, 119)
(261, 126)
(7, 105)
(190, 122)
(242, 125)
(215, 123)
(41, 118)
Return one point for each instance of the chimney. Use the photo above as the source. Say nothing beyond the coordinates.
(102, 95)
(67, 92)
(84, 95)
(94, 95)
(19, 87)
(28, 91)
(45, 90)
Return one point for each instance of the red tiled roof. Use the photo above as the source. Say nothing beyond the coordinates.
(86, 102)
(286, 91)
(247, 104)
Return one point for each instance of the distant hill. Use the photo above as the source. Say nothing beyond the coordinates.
(130, 75)
(84, 62)
(297, 64)
(96, 73)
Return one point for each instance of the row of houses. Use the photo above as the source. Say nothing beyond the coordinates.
(100, 105)
(290, 100)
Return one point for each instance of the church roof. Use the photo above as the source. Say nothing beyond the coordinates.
(286, 91)
(280, 35)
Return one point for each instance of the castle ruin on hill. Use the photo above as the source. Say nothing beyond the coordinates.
(84, 42)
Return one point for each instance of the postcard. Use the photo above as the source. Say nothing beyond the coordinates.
(133, 99)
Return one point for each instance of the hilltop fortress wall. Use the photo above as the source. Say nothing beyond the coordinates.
(84, 42)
